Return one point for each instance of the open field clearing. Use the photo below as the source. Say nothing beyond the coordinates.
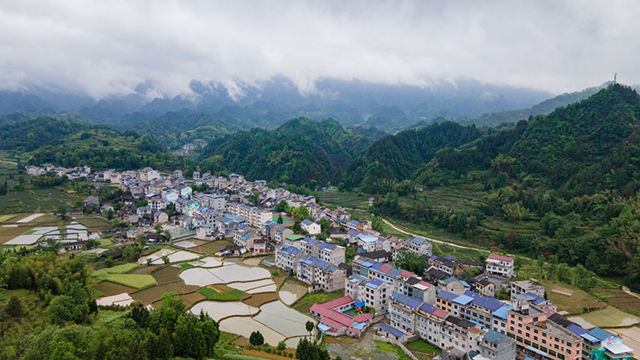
(618, 298)
(131, 280)
(120, 269)
(36, 200)
(573, 304)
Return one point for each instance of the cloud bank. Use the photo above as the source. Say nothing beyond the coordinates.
(102, 48)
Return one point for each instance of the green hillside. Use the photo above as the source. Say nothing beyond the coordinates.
(296, 152)
(561, 185)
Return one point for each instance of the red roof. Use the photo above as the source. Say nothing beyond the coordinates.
(424, 283)
(385, 269)
(440, 313)
(354, 330)
(334, 324)
(337, 302)
(500, 257)
(405, 273)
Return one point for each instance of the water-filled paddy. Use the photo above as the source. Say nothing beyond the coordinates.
(218, 310)
(290, 292)
(263, 289)
(244, 286)
(210, 262)
(608, 317)
(283, 319)
(245, 326)
(234, 273)
(199, 277)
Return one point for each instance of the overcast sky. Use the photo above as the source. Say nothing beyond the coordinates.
(107, 47)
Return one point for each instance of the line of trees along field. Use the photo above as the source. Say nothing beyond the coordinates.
(575, 172)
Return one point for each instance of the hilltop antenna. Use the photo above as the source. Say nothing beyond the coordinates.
(615, 77)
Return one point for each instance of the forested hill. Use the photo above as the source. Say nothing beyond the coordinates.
(298, 151)
(573, 175)
(72, 143)
(396, 157)
(546, 107)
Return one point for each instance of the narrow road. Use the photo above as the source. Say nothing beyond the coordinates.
(432, 240)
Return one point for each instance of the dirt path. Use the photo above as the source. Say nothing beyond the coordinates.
(430, 239)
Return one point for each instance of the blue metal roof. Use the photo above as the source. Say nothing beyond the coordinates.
(463, 299)
(353, 233)
(326, 246)
(426, 307)
(391, 330)
(447, 295)
(409, 301)
(484, 301)
(576, 329)
(503, 312)
(590, 338)
(599, 334)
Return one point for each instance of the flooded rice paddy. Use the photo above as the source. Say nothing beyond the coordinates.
(223, 275)
(290, 292)
(283, 319)
(244, 286)
(220, 310)
(607, 317)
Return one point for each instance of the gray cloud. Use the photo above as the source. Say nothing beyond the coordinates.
(102, 48)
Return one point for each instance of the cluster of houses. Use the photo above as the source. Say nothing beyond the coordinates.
(462, 317)
(456, 312)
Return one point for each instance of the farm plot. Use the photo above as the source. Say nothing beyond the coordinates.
(108, 288)
(221, 310)
(210, 262)
(291, 292)
(245, 326)
(250, 285)
(154, 294)
(283, 319)
(121, 300)
(167, 275)
(174, 256)
(132, 280)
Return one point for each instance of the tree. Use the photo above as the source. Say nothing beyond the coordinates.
(309, 325)
(108, 262)
(149, 261)
(255, 198)
(411, 261)
(296, 228)
(132, 252)
(325, 225)
(62, 212)
(282, 206)
(14, 307)
(165, 259)
(256, 338)
(280, 220)
(282, 345)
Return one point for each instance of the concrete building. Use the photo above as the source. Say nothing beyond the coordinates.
(310, 227)
(334, 322)
(373, 292)
(496, 346)
(527, 286)
(420, 246)
(500, 265)
(287, 257)
(331, 253)
(538, 336)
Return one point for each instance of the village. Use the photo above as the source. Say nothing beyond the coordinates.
(464, 309)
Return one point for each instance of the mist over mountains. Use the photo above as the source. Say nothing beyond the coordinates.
(270, 103)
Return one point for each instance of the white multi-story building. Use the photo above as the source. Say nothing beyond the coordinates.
(331, 253)
(420, 246)
(374, 292)
(157, 204)
(310, 227)
(500, 265)
(287, 257)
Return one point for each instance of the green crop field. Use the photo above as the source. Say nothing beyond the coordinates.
(120, 269)
(304, 304)
(4, 218)
(36, 200)
(345, 199)
(94, 223)
(132, 280)
(212, 294)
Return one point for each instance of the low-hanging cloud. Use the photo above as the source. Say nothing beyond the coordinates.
(101, 48)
